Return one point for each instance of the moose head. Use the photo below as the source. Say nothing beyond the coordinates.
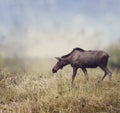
(61, 62)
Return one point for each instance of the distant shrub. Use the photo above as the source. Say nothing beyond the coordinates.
(114, 52)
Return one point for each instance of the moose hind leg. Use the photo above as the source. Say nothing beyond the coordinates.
(104, 76)
(85, 73)
(106, 71)
(109, 73)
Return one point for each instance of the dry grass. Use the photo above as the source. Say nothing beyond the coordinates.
(44, 93)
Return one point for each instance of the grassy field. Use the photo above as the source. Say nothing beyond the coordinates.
(34, 91)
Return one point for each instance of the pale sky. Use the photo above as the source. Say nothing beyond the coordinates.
(48, 28)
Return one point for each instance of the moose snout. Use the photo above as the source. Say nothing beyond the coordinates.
(54, 71)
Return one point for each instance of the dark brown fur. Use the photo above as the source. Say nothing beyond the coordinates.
(83, 59)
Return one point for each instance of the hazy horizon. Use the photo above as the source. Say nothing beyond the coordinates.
(48, 28)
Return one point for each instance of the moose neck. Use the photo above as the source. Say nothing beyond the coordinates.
(67, 59)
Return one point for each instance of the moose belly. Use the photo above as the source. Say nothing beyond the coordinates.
(87, 64)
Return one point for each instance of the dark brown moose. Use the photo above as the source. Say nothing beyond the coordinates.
(83, 59)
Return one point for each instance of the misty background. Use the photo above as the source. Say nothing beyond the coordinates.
(49, 28)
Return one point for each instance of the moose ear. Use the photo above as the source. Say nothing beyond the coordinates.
(58, 58)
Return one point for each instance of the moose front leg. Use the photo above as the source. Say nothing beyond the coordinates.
(85, 73)
(74, 74)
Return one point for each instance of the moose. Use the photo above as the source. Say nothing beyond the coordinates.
(80, 58)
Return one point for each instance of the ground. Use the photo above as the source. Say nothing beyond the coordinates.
(43, 92)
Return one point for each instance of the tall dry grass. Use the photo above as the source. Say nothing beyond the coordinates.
(43, 92)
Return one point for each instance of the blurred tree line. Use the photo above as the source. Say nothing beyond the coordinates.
(16, 63)
(114, 52)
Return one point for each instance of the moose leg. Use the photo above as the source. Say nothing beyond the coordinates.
(74, 74)
(104, 76)
(106, 71)
(85, 73)
(109, 73)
